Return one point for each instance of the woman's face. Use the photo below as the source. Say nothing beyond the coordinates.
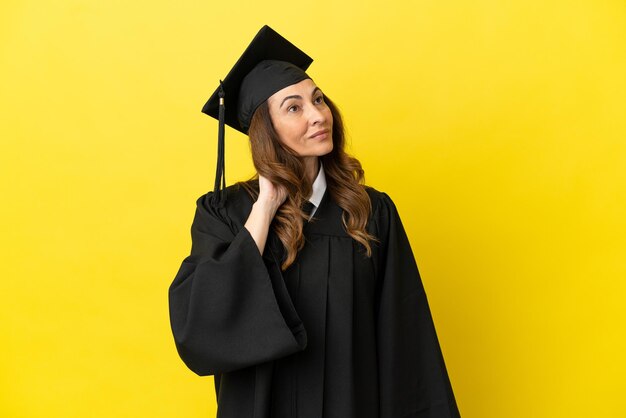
(302, 119)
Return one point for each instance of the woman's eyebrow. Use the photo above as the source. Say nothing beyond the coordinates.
(295, 96)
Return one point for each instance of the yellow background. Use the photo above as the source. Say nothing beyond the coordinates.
(498, 128)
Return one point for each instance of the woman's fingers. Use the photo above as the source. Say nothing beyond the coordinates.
(271, 191)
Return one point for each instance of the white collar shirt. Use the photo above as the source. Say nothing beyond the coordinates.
(319, 187)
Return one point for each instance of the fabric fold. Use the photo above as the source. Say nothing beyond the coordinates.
(312, 307)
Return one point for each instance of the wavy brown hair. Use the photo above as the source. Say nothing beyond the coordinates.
(281, 165)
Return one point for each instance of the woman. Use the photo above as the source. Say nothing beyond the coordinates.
(300, 316)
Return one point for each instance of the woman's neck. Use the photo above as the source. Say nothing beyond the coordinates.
(311, 167)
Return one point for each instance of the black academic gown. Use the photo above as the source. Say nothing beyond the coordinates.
(336, 335)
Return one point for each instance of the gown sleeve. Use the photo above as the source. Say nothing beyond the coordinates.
(224, 312)
(413, 381)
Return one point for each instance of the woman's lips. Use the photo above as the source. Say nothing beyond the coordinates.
(323, 134)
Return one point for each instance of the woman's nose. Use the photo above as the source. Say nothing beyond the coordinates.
(316, 116)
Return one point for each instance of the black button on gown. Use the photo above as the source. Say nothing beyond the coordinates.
(336, 335)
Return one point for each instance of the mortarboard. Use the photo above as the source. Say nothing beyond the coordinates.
(269, 64)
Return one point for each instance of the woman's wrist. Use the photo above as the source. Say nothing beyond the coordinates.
(267, 207)
(259, 221)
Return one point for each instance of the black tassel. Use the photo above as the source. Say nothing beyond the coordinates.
(219, 195)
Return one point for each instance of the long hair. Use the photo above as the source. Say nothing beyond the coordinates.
(344, 181)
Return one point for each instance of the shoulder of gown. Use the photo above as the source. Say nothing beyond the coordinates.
(384, 212)
(236, 208)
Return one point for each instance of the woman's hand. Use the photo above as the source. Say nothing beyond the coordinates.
(271, 195)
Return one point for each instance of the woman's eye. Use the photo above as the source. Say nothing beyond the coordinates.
(319, 99)
(292, 108)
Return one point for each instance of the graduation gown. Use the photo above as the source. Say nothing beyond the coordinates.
(336, 335)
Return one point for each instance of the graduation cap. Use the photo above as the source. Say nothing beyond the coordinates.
(269, 64)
